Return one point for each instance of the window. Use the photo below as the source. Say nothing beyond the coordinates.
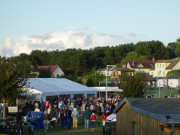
(134, 126)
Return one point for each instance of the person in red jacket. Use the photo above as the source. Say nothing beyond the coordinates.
(93, 119)
(104, 118)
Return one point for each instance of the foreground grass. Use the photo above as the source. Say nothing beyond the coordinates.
(80, 131)
(58, 131)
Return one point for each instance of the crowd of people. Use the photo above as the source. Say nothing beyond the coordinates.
(67, 112)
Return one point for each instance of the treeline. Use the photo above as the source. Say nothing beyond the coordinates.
(78, 62)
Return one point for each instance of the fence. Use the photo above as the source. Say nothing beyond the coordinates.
(14, 130)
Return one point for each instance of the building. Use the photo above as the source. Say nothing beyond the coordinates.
(143, 66)
(55, 69)
(144, 116)
(162, 67)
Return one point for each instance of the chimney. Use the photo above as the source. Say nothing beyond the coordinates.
(153, 60)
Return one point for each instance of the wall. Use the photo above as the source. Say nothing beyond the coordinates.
(145, 125)
(173, 83)
(177, 66)
(58, 71)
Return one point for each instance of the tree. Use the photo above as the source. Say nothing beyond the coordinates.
(152, 49)
(133, 86)
(173, 74)
(10, 83)
(45, 73)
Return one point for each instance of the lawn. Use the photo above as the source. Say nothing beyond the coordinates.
(80, 131)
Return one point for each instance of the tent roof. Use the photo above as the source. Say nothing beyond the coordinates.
(109, 89)
(58, 86)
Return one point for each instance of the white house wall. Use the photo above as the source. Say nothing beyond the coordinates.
(173, 83)
(177, 66)
(58, 71)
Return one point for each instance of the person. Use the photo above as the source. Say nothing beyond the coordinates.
(72, 105)
(93, 119)
(46, 121)
(61, 116)
(75, 116)
(83, 107)
(37, 109)
(69, 112)
(86, 116)
(53, 117)
(42, 107)
(19, 117)
(104, 118)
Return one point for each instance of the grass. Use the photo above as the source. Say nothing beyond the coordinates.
(80, 131)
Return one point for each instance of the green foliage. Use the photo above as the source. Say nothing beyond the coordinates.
(11, 82)
(45, 73)
(90, 82)
(93, 78)
(173, 74)
(152, 49)
(132, 56)
(132, 86)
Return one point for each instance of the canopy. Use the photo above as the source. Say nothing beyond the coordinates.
(57, 86)
(108, 89)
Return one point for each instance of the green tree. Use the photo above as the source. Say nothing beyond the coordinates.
(45, 73)
(173, 74)
(10, 83)
(132, 86)
(152, 49)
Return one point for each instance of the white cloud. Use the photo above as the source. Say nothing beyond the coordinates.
(62, 40)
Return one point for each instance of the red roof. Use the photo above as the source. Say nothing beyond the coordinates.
(52, 67)
(145, 63)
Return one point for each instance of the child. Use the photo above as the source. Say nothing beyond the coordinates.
(46, 121)
(104, 118)
(93, 119)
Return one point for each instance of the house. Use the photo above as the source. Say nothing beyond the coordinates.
(55, 69)
(162, 67)
(142, 66)
(144, 116)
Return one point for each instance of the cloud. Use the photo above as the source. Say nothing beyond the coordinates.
(62, 40)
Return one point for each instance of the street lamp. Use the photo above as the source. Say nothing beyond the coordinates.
(106, 77)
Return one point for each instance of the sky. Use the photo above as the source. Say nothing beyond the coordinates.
(27, 25)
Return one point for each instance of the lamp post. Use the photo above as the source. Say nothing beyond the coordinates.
(159, 90)
(99, 88)
(106, 78)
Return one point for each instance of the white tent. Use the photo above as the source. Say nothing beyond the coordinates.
(108, 89)
(55, 87)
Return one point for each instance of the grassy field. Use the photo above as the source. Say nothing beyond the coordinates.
(80, 131)
(163, 92)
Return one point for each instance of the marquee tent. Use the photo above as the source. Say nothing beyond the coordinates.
(55, 87)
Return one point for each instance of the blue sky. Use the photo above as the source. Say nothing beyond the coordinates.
(62, 24)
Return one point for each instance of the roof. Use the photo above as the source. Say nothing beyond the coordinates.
(172, 64)
(121, 69)
(52, 67)
(145, 63)
(163, 109)
(58, 86)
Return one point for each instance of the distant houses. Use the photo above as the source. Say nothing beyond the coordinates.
(55, 69)
(143, 66)
(162, 67)
(142, 116)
